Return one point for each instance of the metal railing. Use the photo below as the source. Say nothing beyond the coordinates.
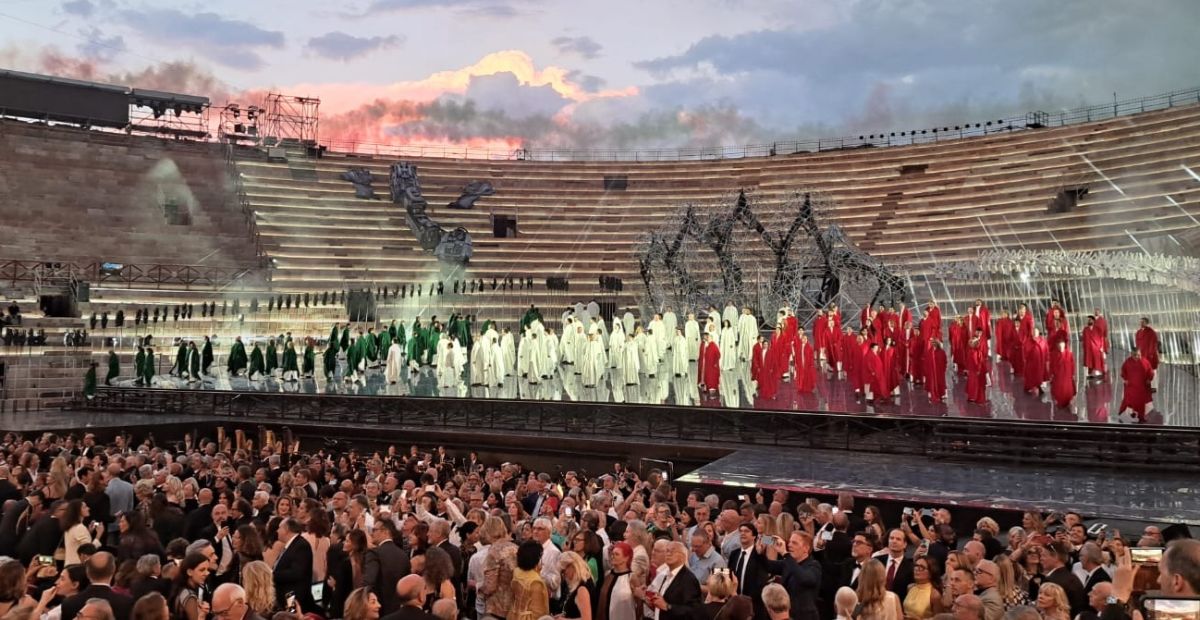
(884, 138)
(127, 274)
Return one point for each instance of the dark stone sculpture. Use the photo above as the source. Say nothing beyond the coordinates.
(361, 178)
(471, 193)
(448, 246)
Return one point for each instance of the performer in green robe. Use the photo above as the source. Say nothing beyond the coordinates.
(148, 367)
(139, 360)
(237, 357)
(392, 330)
(206, 356)
(114, 367)
(414, 349)
(193, 361)
(330, 359)
(180, 367)
(353, 358)
(256, 363)
(372, 347)
(346, 338)
(310, 359)
(291, 371)
(399, 337)
(335, 334)
(272, 357)
(435, 334)
(89, 382)
(385, 343)
(531, 315)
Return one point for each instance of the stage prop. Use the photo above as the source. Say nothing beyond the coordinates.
(453, 246)
(362, 179)
(471, 193)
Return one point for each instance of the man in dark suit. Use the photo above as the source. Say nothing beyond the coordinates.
(410, 591)
(100, 569)
(44, 534)
(898, 570)
(385, 565)
(200, 517)
(675, 593)
(750, 568)
(439, 536)
(1054, 562)
(1090, 570)
(293, 568)
(799, 573)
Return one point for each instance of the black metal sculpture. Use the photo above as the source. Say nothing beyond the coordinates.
(472, 192)
(362, 179)
(448, 246)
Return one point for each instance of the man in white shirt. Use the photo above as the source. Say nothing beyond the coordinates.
(542, 529)
(674, 594)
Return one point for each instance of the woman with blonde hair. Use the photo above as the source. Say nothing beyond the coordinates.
(844, 603)
(259, 583)
(878, 603)
(1052, 602)
(723, 601)
(362, 604)
(785, 524)
(58, 480)
(578, 588)
(954, 561)
(1007, 583)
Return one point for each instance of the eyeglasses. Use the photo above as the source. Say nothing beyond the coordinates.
(861, 542)
(920, 567)
(223, 612)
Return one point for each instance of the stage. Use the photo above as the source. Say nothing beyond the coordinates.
(1177, 401)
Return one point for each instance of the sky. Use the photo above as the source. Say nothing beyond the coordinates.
(620, 74)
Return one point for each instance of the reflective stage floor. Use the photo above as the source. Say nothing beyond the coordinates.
(1177, 401)
(1162, 497)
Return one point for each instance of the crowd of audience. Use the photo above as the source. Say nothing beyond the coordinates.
(204, 530)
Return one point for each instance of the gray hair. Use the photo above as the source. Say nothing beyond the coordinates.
(198, 546)
(776, 598)
(1023, 612)
(148, 564)
(1090, 553)
(103, 608)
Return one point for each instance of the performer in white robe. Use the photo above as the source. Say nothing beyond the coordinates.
(679, 360)
(650, 355)
(550, 346)
(659, 330)
(508, 349)
(670, 323)
(448, 365)
(729, 314)
(580, 345)
(728, 346)
(627, 320)
(566, 346)
(523, 349)
(593, 309)
(479, 361)
(395, 362)
(747, 333)
(535, 366)
(632, 361)
(616, 345)
(713, 329)
(594, 362)
(495, 368)
(691, 330)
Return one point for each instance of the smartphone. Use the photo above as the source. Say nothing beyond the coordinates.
(1096, 528)
(45, 560)
(924, 546)
(908, 512)
(318, 592)
(827, 536)
(291, 600)
(1145, 555)
(926, 512)
(1171, 608)
(768, 541)
(743, 498)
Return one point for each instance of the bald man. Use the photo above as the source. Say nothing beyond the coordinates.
(968, 607)
(410, 591)
(229, 603)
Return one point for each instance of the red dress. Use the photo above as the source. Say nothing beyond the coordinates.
(1147, 343)
(1137, 374)
(1062, 389)
(806, 369)
(935, 372)
(709, 366)
(916, 357)
(873, 375)
(820, 327)
(768, 384)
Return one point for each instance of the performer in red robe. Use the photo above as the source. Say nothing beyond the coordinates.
(905, 315)
(874, 379)
(1056, 320)
(1062, 388)
(935, 319)
(1147, 342)
(1052, 341)
(1036, 361)
(902, 354)
(768, 384)
(837, 319)
(708, 366)
(1005, 333)
(1138, 375)
(978, 367)
(916, 356)
(820, 325)
(1102, 328)
(833, 345)
(985, 316)
(806, 366)
(1094, 357)
(935, 371)
(852, 360)
(758, 356)
(958, 345)
(892, 363)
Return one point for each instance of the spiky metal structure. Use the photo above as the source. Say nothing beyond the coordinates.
(764, 255)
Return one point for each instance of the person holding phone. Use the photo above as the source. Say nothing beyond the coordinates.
(75, 533)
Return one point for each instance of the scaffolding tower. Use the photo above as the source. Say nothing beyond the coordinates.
(292, 118)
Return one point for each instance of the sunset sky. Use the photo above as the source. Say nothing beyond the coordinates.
(620, 74)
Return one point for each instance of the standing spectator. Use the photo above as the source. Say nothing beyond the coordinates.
(704, 557)
(259, 583)
(293, 568)
(186, 599)
(385, 565)
(800, 573)
(579, 591)
(776, 602)
(1052, 602)
(498, 570)
(617, 599)
(676, 593)
(987, 576)
(362, 604)
(530, 596)
(924, 598)
(76, 533)
(100, 569)
(878, 603)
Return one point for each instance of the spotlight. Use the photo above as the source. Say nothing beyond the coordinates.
(1024, 276)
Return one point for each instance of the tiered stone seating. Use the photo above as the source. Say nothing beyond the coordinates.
(75, 195)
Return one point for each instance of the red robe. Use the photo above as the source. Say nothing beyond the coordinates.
(905, 318)
(985, 316)
(768, 382)
(1005, 334)
(1102, 329)
(852, 361)
(1137, 374)
(1036, 355)
(1147, 342)
(806, 369)
(902, 353)
(935, 372)
(958, 345)
(873, 375)
(833, 348)
(1053, 325)
(935, 319)
(978, 366)
(916, 357)
(1093, 350)
(708, 367)
(820, 327)
(757, 357)
(837, 323)
(892, 361)
(1052, 340)
(864, 317)
(1062, 389)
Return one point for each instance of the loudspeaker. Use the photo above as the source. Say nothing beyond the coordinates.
(83, 292)
(360, 306)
